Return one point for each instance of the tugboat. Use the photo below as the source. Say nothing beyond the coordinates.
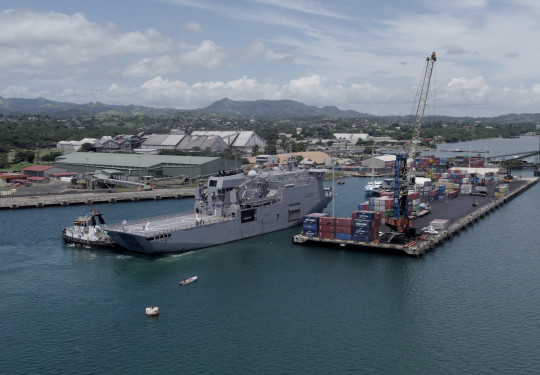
(86, 231)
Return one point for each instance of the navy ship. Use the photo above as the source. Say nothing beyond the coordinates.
(230, 207)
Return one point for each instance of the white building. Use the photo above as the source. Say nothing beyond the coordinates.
(74, 145)
(242, 141)
(351, 137)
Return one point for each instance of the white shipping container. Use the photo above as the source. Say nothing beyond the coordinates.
(440, 224)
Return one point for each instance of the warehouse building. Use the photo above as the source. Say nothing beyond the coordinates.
(241, 141)
(381, 161)
(162, 141)
(212, 143)
(134, 166)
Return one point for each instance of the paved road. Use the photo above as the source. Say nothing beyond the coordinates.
(454, 209)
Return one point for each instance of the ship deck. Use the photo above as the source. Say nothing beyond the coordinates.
(155, 226)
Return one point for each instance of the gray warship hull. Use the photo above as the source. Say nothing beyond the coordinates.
(229, 208)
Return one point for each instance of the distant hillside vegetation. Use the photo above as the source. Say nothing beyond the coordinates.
(256, 108)
(276, 108)
(42, 106)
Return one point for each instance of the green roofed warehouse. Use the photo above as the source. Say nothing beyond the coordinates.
(145, 165)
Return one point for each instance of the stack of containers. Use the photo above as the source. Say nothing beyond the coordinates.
(366, 225)
(364, 206)
(310, 228)
(466, 189)
(501, 191)
(384, 205)
(441, 191)
(344, 228)
(327, 227)
(414, 200)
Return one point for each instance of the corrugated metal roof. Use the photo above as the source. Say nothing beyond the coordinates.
(130, 160)
(234, 138)
(38, 168)
(163, 140)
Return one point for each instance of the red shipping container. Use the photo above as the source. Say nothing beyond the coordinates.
(327, 220)
(344, 228)
(344, 221)
(327, 235)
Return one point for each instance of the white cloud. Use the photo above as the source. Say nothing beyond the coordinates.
(309, 7)
(152, 66)
(41, 39)
(208, 55)
(463, 89)
(192, 27)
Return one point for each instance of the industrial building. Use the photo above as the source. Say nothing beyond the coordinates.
(241, 141)
(380, 161)
(135, 166)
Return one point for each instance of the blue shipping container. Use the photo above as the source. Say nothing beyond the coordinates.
(343, 236)
(310, 226)
(310, 233)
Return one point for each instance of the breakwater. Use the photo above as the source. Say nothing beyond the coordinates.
(41, 201)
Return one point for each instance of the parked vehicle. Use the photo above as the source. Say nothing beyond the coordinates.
(429, 230)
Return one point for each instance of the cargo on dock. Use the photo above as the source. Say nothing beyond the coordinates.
(448, 216)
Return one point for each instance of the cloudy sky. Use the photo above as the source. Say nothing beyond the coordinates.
(362, 55)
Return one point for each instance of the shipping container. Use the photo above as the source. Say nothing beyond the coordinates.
(310, 233)
(314, 218)
(439, 224)
(344, 228)
(343, 236)
(310, 226)
(327, 235)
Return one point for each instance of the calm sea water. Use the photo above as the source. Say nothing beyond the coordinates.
(494, 147)
(266, 306)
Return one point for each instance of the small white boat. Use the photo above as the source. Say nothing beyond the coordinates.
(188, 281)
(152, 311)
(373, 187)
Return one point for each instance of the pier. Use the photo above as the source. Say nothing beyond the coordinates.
(459, 211)
(41, 201)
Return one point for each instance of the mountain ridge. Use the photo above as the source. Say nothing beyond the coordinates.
(257, 108)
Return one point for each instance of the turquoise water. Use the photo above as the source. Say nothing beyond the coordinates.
(266, 306)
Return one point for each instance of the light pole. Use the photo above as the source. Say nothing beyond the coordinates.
(139, 156)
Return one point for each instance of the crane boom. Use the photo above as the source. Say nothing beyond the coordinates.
(404, 162)
(422, 101)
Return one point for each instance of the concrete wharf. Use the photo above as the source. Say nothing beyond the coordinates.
(459, 211)
(41, 201)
